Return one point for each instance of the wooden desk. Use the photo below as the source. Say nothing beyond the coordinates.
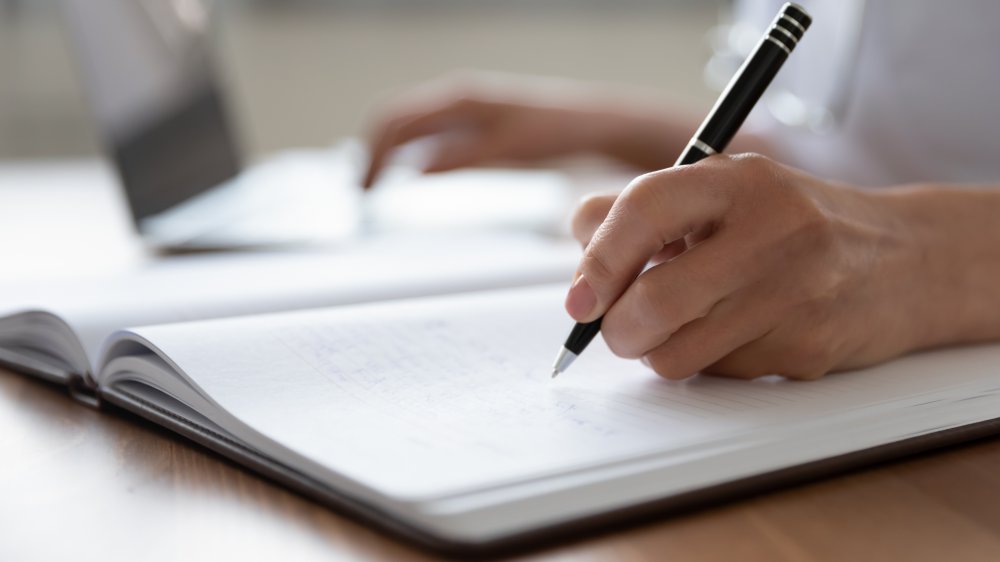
(78, 484)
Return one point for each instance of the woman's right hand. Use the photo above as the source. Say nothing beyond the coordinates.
(490, 118)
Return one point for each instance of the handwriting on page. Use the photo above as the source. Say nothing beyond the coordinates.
(438, 371)
(451, 386)
(466, 380)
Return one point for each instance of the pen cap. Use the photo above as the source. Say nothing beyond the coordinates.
(789, 26)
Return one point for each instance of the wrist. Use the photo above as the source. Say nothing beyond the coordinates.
(951, 238)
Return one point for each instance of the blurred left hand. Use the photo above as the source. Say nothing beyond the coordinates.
(757, 269)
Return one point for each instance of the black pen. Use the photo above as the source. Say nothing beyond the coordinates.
(725, 118)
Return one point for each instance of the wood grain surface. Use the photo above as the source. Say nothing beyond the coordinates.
(78, 484)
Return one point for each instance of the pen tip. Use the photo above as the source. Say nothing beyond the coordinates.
(562, 361)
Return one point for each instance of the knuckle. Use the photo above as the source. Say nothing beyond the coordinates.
(752, 162)
(617, 334)
(661, 364)
(724, 175)
(760, 176)
(631, 330)
(651, 199)
(642, 203)
(758, 170)
(669, 302)
(707, 169)
(656, 303)
(640, 194)
(596, 267)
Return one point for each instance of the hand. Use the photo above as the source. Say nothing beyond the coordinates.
(760, 269)
(497, 118)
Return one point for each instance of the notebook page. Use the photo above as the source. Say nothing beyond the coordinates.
(198, 287)
(434, 396)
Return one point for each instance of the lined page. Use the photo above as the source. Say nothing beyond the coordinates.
(434, 396)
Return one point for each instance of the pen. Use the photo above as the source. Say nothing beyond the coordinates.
(725, 118)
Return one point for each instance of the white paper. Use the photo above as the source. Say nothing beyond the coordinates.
(432, 397)
(221, 285)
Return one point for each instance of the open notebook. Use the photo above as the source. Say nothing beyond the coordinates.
(55, 328)
(436, 418)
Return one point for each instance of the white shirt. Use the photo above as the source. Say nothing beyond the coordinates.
(911, 88)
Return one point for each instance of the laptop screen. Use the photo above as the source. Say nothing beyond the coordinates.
(147, 70)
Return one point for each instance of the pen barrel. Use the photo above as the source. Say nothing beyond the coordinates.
(748, 85)
(581, 336)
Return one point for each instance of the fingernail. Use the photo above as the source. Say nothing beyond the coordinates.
(581, 299)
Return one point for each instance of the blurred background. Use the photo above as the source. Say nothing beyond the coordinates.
(308, 72)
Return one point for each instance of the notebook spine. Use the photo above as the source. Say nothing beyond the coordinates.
(84, 390)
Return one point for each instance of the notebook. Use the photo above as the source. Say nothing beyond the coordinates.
(436, 418)
(57, 326)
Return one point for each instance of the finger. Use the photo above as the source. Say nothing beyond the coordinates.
(669, 252)
(496, 138)
(793, 355)
(752, 360)
(463, 150)
(411, 124)
(703, 342)
(668, 296)
(678, 247)
(696, 237)
(589, 215)
(591, 212)
(654, 210)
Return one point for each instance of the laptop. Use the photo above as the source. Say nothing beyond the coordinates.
(159, 108)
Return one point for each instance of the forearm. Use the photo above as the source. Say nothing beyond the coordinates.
(954, 232)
